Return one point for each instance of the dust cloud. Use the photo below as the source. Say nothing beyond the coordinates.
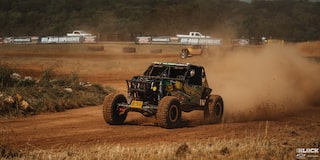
(263, 83)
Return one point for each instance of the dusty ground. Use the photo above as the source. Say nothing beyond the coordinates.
(263, 87)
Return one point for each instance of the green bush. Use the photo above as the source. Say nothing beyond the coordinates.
(27, 96)
(5, 73)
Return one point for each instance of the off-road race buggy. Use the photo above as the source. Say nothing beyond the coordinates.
(164, 91)
(193, 50)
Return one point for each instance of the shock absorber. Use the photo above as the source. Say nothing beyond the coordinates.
(160, 90)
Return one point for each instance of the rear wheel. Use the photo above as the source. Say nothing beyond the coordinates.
(214, 109)
(169, 112)
(111, 110)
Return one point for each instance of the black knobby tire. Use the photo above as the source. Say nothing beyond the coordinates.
(169, 112)
(111, 112)
(214, 109)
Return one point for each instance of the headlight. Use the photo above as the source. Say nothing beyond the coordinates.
(154, 88)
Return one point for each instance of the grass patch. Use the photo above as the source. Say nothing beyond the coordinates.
(25, 95)
(213, 148)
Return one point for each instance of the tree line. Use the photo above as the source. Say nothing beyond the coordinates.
(291, 20)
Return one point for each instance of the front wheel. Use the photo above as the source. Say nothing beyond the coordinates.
(214, 109)
(111, 110)
(169, 112)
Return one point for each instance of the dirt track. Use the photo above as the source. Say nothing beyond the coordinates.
(85, 126)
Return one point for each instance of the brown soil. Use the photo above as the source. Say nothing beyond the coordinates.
(274, 84)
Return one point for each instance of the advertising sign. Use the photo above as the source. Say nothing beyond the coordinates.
(161, 39)
(143, 40)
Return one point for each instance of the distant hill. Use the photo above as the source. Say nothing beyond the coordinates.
(123, 19)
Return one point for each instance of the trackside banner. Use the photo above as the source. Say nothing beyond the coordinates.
(62, 39)
(21, 40)
(47, 39)
(143, 40)
(161, 39)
